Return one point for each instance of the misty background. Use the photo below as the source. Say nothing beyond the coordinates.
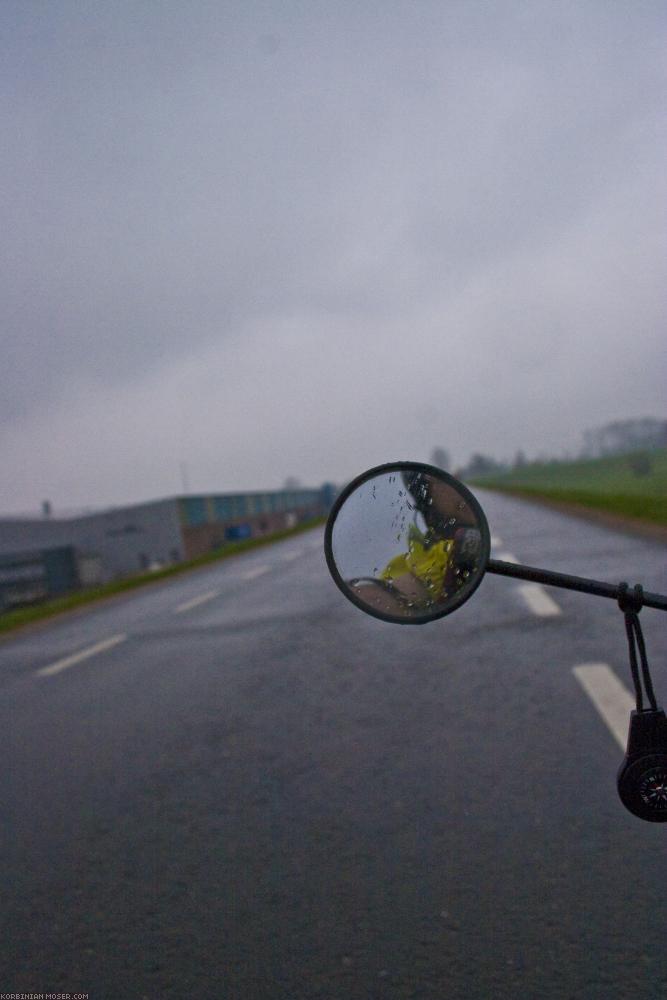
(257, 240)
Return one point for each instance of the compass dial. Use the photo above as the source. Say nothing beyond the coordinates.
(653, 788)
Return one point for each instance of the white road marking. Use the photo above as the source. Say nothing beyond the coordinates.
(256, 571)
(195, 601)
(508, 557)
(495, 542)
(292, 555)
(612, 700)
(83, 654)
(535, 596)
(537, 599)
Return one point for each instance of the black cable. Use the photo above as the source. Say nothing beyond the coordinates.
(631, 605)
(633, 661)
(639, 636)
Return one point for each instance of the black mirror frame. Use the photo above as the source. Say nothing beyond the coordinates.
(389, 467)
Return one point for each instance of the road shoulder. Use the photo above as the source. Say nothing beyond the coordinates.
(616, 522)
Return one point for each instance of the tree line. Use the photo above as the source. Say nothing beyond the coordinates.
(635, 437)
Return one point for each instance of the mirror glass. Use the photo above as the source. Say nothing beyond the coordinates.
(407, 542)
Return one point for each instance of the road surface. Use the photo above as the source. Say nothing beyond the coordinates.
(236, 785)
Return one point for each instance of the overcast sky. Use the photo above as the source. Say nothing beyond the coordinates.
(303, 238)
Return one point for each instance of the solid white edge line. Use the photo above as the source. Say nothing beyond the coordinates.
(611, 698)
(195, 601)
(537, 599)
(83, 654)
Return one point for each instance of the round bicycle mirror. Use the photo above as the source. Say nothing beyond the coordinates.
(407, 542)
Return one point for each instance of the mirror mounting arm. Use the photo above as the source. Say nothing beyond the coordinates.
(580, 583)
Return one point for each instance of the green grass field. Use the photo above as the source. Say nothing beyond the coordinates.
(19, 617)
(632, 485)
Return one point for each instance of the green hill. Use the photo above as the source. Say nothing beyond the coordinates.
(632, 485)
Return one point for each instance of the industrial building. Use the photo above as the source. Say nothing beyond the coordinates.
(122, 541)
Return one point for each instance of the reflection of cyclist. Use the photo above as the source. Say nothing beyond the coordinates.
(384, 596)
(440, 558)
(440, 505)
(422, 570)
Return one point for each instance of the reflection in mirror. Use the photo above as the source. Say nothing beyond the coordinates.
(409, 543)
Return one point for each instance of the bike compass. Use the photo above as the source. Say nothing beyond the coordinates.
(371, 529)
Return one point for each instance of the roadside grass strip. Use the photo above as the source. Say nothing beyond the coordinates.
(632, 485)
(83, 654)
(611, 698)
(196, 601)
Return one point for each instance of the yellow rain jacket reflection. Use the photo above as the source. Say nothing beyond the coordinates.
(427, 563)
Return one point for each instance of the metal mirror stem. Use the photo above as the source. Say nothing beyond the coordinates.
(580, 583)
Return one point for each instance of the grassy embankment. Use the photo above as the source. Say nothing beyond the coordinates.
(24, 616)
(631, 486)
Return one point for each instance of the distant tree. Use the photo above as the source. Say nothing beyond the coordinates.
(482, 465)
(641, 463)
(292, 483)
(625, 436)
(519, 460)
(440, 458)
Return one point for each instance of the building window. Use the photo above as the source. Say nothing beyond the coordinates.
(194, 509)
(223, 508)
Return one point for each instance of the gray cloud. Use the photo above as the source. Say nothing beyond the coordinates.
(427, 205)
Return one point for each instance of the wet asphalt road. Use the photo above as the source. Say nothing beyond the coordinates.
(269, 795)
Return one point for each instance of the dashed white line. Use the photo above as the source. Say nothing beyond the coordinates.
(83, 654)
(291, 555)
(537, 599)
(255, 572)
(196, 601)
(535, 596)
(612, 700)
